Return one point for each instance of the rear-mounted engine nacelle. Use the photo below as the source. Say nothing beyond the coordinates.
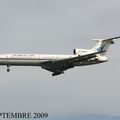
(77, 51)
(82, 51)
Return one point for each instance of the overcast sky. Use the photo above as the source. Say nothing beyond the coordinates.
(59, 26)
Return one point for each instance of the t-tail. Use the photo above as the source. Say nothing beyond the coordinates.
(103, 45)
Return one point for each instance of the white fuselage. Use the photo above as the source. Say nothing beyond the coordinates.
(29, 59)
(37, 59)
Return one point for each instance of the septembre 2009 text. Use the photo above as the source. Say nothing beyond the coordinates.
(24, 115)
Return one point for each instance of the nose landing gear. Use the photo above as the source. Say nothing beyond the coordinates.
(8, 68)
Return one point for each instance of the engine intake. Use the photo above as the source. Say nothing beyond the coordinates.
(82, 51)
(76, 51)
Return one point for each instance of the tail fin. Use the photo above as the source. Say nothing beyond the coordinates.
(103, 44)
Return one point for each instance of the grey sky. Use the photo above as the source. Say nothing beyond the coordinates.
(59, 26)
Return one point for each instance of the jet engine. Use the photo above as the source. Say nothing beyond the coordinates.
(77, 51)
(82, 51)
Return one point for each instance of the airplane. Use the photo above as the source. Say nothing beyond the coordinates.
(57, 64)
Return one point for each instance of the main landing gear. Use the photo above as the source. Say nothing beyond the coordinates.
(8, 68)
(57, 73)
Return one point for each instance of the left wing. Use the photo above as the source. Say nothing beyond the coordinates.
(59, 66)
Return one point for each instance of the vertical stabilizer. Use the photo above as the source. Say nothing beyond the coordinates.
(103, 44)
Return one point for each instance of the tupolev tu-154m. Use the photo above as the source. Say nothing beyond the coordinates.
(57, 64)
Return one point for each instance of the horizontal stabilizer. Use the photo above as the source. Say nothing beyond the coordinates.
(113, 38)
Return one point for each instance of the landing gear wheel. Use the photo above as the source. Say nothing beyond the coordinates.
(57, 73)
(53, 74)
(8, 69)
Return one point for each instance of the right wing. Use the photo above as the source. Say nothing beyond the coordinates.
(59, 66)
